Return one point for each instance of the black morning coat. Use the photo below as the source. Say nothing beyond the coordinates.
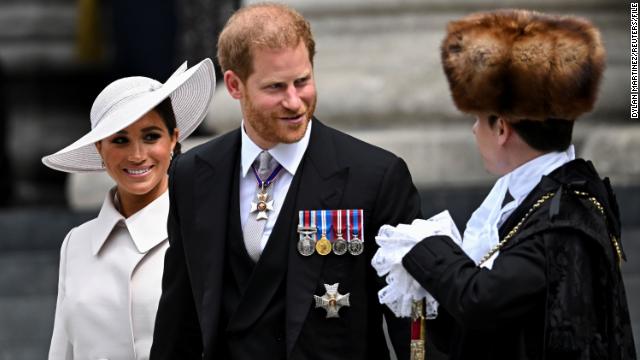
(555, 290)
(216, 304)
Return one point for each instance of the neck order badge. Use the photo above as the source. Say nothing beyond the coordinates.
(263, 205)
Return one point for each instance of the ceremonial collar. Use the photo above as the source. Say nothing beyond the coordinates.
(287, 155)
(147, 227)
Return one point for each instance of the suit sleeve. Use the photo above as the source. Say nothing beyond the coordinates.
(479, 298)
(398, 202)
(177, 331)
(60, 348)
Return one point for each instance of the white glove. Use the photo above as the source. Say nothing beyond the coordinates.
(394, 243)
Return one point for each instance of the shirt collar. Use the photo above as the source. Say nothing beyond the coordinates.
(524, 178)
(287, 155)
(147, 227)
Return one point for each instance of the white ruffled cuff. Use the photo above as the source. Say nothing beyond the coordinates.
(394, 243)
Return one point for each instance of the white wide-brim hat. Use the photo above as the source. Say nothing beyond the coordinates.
(126, 100)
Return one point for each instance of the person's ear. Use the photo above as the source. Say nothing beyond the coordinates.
(503, 130)
(234, 84)
(174, 138)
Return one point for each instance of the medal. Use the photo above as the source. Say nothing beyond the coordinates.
(334, 235)
(323, 246)
(339, 244)
(356, 244)
(332, 300)
(263, 204)
(307, 230)
(306, 245)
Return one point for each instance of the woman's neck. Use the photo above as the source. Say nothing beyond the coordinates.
(130, 204)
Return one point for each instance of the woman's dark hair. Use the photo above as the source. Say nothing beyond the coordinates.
(546, 136)
(165, 109)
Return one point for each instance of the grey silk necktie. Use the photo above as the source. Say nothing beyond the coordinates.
(254, 227)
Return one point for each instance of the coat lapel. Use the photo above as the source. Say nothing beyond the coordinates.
(322, 181)
(213, 182)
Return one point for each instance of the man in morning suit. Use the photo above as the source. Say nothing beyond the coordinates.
(266, 222)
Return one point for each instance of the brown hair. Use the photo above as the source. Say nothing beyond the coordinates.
(263, 25)
(547, 135)
(165, 110)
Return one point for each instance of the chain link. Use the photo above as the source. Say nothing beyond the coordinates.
(535, 206)
(596, 203)
(515, 229)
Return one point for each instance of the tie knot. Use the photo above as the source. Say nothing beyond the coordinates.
(265, 164)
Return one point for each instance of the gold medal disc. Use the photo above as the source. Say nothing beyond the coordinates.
(323, 246)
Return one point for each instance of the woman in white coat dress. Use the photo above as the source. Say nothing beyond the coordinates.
(111, 266)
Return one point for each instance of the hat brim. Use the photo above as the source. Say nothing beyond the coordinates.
(190, 91)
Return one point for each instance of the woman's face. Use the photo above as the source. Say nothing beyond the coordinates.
(138, 157)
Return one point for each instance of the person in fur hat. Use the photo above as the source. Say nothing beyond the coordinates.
(537, 274)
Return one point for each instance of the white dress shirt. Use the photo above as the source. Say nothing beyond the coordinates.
(287, 155)
(110, 284)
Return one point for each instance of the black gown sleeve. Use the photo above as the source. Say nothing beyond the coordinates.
(479, 298)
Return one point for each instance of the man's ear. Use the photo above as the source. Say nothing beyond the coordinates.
(234, 84)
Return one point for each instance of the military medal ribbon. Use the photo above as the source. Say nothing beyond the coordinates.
(307, 230)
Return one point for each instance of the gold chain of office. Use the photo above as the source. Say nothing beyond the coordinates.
(535, 206)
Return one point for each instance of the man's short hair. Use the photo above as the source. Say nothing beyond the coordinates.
(262, 26)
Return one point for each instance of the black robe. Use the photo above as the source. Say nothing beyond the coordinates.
(555, 290)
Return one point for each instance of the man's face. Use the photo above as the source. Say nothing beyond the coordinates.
(278, 99)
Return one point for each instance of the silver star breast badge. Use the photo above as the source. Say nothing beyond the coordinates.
(332, 300)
